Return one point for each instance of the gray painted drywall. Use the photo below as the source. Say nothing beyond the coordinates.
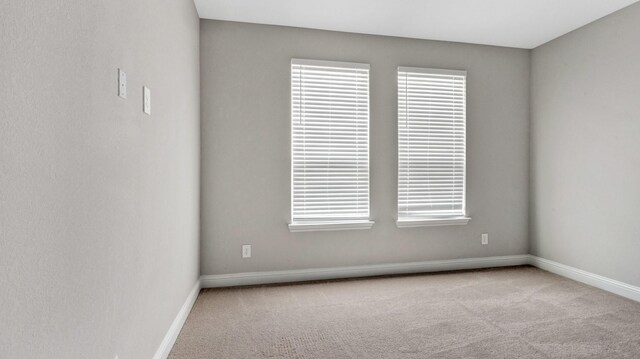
(245, 198)
(98, 202)
(585, 148)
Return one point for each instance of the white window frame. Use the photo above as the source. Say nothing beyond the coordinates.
(430, 220)
(337, 223)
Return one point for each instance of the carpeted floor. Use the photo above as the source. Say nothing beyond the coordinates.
(517, 312)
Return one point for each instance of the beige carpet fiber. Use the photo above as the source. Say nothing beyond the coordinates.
(518, 312)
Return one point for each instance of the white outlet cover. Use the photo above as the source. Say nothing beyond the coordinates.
(246, 251)
(485, 238)
(146, 100)
(122, 83)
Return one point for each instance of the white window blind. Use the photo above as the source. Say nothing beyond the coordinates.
(330, 141)
(431, 144)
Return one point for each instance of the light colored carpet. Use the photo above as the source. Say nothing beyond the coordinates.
(518, 312)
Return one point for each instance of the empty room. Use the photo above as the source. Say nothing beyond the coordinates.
(212, 179)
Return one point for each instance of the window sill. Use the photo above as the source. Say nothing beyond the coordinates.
(410, 223)
(329, 226)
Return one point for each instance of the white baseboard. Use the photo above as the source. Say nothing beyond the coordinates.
(300, 275)
(598, 281)
(172, 334)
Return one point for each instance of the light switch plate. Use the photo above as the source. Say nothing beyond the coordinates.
(146, 100)
(122, 83)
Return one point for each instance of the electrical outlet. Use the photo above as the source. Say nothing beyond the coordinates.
(246, 251)
(122, 83)
(485, 238)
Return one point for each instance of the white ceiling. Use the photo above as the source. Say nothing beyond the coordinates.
(514, 23)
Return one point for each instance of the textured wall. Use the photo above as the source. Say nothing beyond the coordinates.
(245, 72)
(585, 147)
(98, 202)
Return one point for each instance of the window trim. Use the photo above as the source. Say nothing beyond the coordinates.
(327, 63)
(329, 224)
(425, 70)
(432, 222)
(428, 221)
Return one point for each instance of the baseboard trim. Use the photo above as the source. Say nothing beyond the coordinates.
(301, 275)
(172, 334)
(595, 280)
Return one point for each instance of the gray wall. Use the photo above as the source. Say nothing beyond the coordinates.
(98, 202)
(245, 71)
(585, 147)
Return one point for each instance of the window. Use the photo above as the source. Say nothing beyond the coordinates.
(431, 147)
(329, 145)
